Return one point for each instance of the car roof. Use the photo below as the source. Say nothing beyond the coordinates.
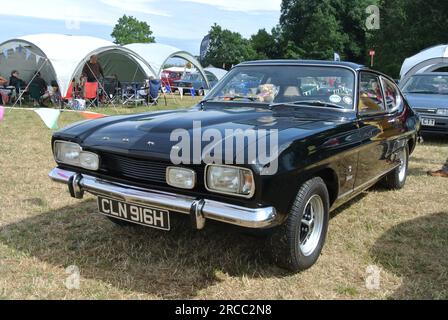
(350, 65)
(431, 74)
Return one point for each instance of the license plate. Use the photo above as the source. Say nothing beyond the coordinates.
(428, 122)
(146, 216)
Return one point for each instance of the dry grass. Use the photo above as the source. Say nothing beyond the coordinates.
(43, 231)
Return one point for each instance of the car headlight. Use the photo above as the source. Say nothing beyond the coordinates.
(72, 154)
(442, 112)
(181, 178)
(230, 180)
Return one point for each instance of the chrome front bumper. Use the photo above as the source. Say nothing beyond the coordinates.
(198, 209)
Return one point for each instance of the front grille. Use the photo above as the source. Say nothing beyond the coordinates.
(139, 170)
(133, 168)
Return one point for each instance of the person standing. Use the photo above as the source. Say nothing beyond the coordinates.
(92, 70)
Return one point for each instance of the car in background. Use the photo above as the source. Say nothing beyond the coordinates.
(197, 82)
(169, 77)
(427, 94)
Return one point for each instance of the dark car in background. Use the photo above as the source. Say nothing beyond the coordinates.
(331, 145)
(427, 94)
(196, 82)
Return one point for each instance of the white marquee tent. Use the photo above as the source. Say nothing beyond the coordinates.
(157, 55)
(61, 58)
(217, 72)
(425, 61)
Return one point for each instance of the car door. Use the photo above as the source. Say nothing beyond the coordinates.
(396, 119)
(376, 130)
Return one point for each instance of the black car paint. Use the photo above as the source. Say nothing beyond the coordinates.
(350, 152)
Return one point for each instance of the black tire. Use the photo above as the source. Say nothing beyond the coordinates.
(396, 179)
(122, 223)
(285, 242)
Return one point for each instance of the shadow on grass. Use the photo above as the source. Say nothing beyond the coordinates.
(170, 265)
(434, 138)
(417, 251)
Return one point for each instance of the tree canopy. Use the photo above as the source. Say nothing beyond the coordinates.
(130, 30)
(227, 48)
(407, 27)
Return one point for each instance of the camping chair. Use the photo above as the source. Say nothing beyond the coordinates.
(34, 93)
(154, 92)
(130, 94)
(91, 94)
(112, 90)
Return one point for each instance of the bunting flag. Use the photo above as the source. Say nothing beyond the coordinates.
(49, 117)
(92, 115)
(2, 112)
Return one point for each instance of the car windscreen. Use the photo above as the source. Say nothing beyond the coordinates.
(427, 84)
(286, 83)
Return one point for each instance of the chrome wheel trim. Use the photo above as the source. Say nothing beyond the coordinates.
(311, 225)
(403, 165)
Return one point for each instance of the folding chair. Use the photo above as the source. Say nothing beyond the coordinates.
(91, 94)
(154, 92)
(34, 92)
(130, 94)
(111, 90)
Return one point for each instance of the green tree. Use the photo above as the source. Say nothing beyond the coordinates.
(313, 28)
(265, 44)
(130, 30)
(227, 48)
(407, 27)
(318, 28)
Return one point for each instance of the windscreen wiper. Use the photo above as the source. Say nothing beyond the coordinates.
(231, 98)
(307, 103)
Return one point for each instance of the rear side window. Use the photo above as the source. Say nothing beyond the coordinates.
(394, 101)
(371, 100)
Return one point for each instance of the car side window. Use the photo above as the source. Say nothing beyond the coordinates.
(394, 101)
(371, 100)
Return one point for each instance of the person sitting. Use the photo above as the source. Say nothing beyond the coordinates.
(4, 93)
(440, 173)
(40, 83)
(16, 82)
(55, 93)
(3, 81)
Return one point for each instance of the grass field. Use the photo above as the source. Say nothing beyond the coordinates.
(43, 232)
